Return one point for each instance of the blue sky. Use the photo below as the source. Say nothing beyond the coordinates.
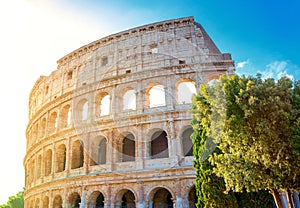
(262, 36)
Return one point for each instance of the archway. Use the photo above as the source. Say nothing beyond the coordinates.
(57, 202)
(162, 198)
(187, 144)
(192, 198)
(96, 200)
(159, 145)
(126, 199)
(75, 200)
(128, 148)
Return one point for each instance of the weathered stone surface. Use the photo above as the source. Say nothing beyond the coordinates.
(98, 135)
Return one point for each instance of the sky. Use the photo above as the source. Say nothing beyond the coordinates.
(262, 37)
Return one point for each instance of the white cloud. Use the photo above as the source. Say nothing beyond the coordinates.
(242, 64)
(276, 70)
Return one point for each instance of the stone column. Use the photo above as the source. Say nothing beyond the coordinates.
(139, 147)
(283, 199)
(68, 156)
(141, 202)
(83, 199)
(296, 201)
(178, 195)
(68, 205)
(107, 202)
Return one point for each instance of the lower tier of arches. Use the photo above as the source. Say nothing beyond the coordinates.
(171, 193)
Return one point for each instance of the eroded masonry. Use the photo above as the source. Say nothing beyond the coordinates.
(110, 127)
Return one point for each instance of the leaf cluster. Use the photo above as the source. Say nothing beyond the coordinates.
(16, 201)
(249, 129)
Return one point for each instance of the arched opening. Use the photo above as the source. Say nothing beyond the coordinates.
(43, 127)
(128, 148)
(192, 198)
(162, 198)
(37, 203)
(61, 158)
(85, 110)
(129, 100)
(185, 90)
(98, 151)
(156, 96)
(213, 81)
(75, 200)
(77, 155)
(102, 151)
(57, 202)
(48, 162)
(39, 167)
(187, 144)
(97, 200)
(32, 177)
(65, 116)
(81, 111)
(53, 122)
(126, 199)
(104, 104)
(46, 202)
(159, 145)
(35, 133)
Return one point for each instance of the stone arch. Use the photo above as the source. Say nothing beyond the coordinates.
(48, 162)
(81, 110)
(65, 116)
(45, 202)
(161, 197)
(61, 158)
(212, 79)
(192, 197)
(74, 200)
(155, 95)
(128, 147)
(96, 199)
(35, 132)
(185, 89)
(77, 154)
(98, 150)
(186, 141)
(43, 127)
(37, 203)
(57, 202)
(126, 198)
(129, 99)
(159, 144)
(103, 104)
(52, 122)
(31, 203)
(39, 167)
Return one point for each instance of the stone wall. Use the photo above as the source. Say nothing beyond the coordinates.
(110, 127)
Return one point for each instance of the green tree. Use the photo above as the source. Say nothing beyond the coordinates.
(210, 189)
(209, 115)
(16, 201)
(259, 136)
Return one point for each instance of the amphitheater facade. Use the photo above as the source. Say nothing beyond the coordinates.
(110, 127)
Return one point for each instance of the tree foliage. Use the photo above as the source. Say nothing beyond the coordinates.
(254, 125)
(16, 201)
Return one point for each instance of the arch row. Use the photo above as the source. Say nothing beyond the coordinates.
(100, 152)
(149, 195)
(106, 102)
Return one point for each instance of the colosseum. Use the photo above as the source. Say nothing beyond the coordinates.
(110, 127)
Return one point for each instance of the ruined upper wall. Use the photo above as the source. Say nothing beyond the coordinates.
(173, 43)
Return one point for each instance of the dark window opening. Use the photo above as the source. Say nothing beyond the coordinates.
(181, 61)
(104, 61)
(159, 145)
